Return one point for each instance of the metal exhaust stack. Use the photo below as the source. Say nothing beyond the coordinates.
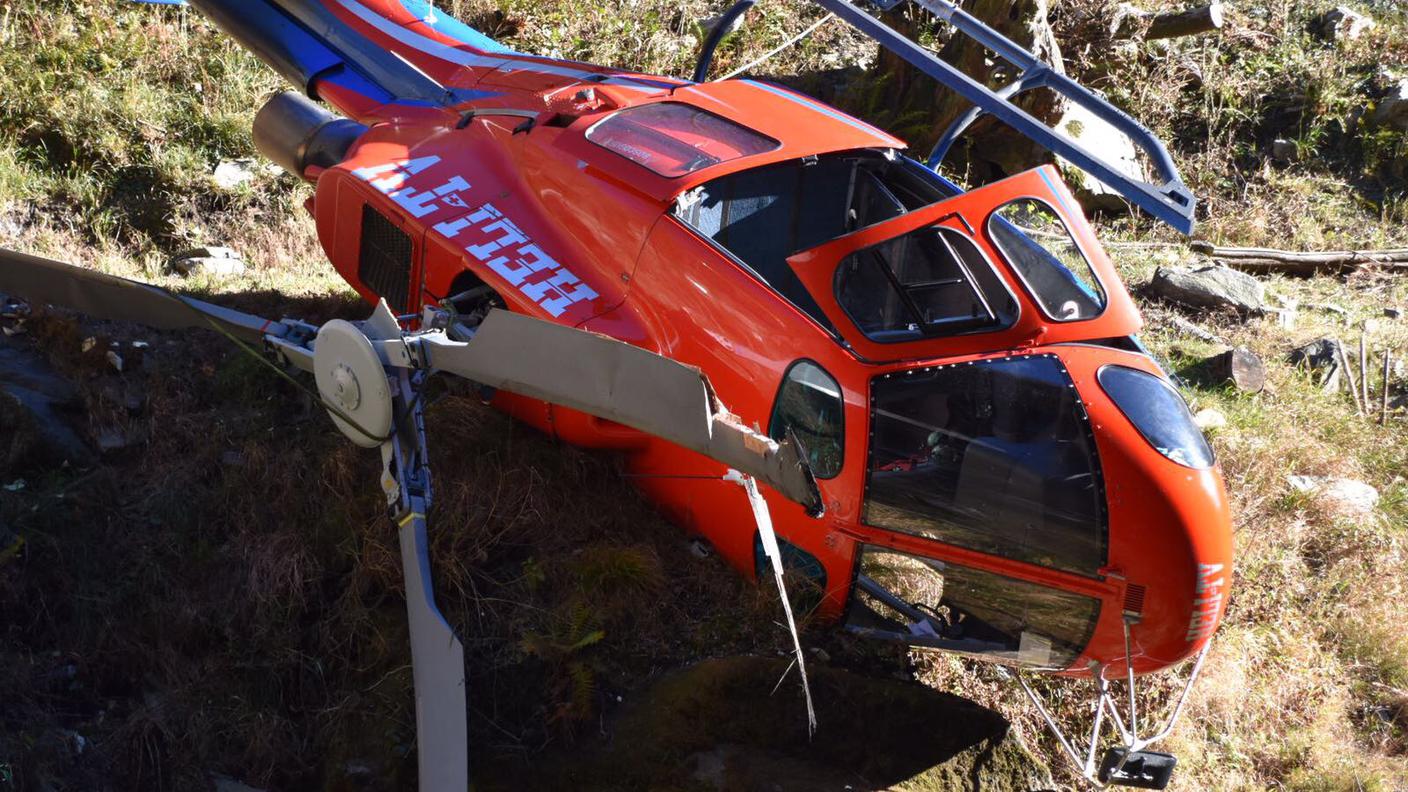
(296, 133)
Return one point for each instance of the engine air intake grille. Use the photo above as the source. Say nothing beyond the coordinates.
(1134, 599)
(384, 261)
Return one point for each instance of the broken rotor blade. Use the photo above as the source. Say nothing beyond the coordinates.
(611, 379)
(41, 280)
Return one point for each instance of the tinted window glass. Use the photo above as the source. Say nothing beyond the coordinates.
(994, 455)
(1041, 250)
(929, 282)
(809, 403)
(978, 612)
(1159, 413)
(673, 139)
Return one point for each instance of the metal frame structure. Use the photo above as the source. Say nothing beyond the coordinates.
(1167, 199)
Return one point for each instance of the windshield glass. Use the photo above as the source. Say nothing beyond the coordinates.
(1035, 241)
(967, 610)
(929, 282)
(991, 455)
(673, 139)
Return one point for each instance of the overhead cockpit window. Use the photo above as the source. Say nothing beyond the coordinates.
(674, 139)
(994, 455)
(1040, 248)
(929, 282)
(1159, 413)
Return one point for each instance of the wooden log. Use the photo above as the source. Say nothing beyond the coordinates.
(1186, 23)
(1239, 366)
(1131, 22)
(1302, 262)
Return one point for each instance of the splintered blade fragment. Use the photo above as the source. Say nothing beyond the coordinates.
(611, 379)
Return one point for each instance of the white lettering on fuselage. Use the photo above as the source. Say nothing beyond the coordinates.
(496, 241)
(1207, 603)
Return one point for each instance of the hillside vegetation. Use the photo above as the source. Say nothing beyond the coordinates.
(218, 592)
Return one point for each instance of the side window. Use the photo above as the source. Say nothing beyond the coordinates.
(1040, 248)
(810, 404)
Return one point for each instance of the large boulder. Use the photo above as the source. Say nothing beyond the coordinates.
(1209, 287)
(1098, 136)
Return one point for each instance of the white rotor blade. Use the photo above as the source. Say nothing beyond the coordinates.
(41, 280)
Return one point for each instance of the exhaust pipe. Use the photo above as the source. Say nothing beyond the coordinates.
(296, 134)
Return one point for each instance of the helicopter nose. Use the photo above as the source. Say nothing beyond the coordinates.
(1170, 538)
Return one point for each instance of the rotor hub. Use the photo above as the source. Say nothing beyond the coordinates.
(346, 393)
(352, 382)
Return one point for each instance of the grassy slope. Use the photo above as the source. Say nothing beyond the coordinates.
(217, 637)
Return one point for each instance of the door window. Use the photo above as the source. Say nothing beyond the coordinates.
(967, 610)
(810, 404)
(929, 282)
(992, 455)
(1048, 260)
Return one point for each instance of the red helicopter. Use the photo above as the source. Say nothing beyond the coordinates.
(961, 441)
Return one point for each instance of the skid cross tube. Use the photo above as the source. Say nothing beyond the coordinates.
(1169, 200)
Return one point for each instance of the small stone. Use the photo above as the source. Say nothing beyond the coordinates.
(1284, 151)
(1342, 496)
(219, 261)
(89, 343)
(1344, 24)
(1393, 313)
(1212, 286)
(114, 360)
(1209, 419)
(1371, 325)
(1392, 110)
(232, 173)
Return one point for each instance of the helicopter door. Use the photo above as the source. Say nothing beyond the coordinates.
(1002, 266)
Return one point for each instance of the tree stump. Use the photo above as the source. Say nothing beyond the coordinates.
(1239, 366)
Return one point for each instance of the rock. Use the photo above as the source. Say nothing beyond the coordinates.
(1211, 286)
(1209, 419)
(1239, 366)
(232, 173)
(1284, 151)
(1114, 146)
(219, 261)
(1318, 354)
(705, 27)
(1393, 313)
(1392, 109)
(1340, 496)
(1344, 24)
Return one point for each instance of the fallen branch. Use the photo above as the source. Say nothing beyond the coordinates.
(1301, 262)
(1170, 25)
